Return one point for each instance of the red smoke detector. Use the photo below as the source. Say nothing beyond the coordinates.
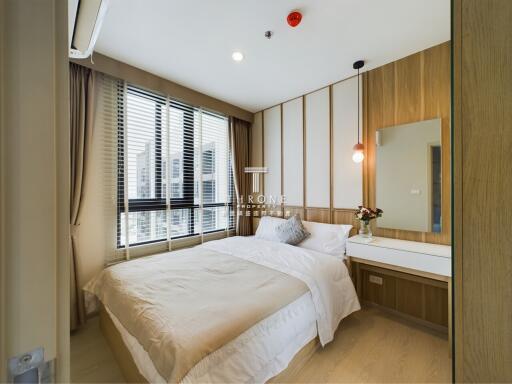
(294, 19)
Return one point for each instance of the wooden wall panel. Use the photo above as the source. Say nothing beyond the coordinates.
(436, 305)
(411, 89)
(457, 304)
(483, 187)
(408, 92)
(437, 104)
(419, 298)
(384, 294)
(320, 215)
(408, 294)
(290, 210)
(345, 216)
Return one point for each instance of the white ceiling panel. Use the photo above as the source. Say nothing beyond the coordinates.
(191, 41)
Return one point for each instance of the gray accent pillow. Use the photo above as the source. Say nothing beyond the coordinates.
(292, 231)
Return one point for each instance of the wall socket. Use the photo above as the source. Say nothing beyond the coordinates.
(376, 279)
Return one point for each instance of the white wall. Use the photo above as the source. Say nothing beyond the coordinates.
(272, 151)
(293, 163)
(256, 141)
(347, 175)
(310, 118)
(403, 184)
(35, 181)
(317, 149)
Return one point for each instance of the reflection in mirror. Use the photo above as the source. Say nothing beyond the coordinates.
(408, 176)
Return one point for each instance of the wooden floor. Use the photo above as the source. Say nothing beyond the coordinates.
(370, 346)
(91, 359)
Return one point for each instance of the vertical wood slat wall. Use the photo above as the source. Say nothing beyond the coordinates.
(411, 89)
(482, 131)
(328, 213)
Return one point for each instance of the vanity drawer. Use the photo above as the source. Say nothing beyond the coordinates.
(430, 263)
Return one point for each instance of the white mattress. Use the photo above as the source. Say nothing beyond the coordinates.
(257, 355)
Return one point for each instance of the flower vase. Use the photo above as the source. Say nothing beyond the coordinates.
(365, 230)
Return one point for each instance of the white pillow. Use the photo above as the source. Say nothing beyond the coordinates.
(326, 238)
(266, 228)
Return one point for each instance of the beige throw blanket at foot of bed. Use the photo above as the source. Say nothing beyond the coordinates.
(187, 304)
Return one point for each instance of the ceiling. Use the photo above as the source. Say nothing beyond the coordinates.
(191, 41)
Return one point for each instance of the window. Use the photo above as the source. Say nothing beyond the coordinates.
(176, 168)
(209, 161)
(161, 140)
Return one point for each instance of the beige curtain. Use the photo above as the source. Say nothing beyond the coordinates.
(240, 151)
(81, 85)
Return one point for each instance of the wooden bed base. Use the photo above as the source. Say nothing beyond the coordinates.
(131, 372)
(119, 350)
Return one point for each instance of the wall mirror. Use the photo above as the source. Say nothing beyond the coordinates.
(408, 176)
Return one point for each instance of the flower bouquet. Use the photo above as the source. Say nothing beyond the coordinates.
(365, 215)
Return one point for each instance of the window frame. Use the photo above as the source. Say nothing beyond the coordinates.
(160, 203)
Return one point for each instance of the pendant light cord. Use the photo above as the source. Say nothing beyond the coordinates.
(358, 106)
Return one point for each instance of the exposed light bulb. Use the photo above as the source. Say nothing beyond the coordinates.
(358, 156)
(237, 56)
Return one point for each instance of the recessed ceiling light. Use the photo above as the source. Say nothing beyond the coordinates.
(237, 56)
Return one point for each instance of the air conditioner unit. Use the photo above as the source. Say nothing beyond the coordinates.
(85, 25)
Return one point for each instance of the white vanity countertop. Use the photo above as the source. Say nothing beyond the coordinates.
(425, 257)
(405, 245)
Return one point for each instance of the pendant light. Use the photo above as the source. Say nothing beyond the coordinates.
(358, 155)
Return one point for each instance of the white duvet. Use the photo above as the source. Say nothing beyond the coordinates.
(325, 275)
(258, 354)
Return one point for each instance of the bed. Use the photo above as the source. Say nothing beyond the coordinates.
(240, 309)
